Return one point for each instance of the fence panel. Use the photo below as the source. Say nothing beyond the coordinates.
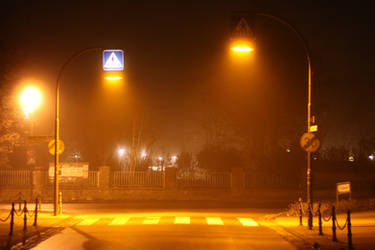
(206, 180)
(93, 180)
(15, 178)
(137, 179)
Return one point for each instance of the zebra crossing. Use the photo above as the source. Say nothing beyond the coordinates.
(175, 220)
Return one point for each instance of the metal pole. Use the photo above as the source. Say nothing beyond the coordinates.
(350, 243)
(309, 174)
(320, 221)
(11, 220)
(25, 217)
(309, 76)
(57, 128)
(57, 138)
(334, 238)
(36, 213)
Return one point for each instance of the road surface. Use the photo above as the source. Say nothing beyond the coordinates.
(108, 226)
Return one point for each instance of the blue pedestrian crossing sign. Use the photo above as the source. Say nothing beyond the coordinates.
(113, 60)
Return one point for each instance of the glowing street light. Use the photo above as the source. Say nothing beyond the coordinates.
(243, 33)
(242, 49)
(111, 62)
(30, 99)
(173, 158)
(371, 157)
(121, 152)
(143, 154)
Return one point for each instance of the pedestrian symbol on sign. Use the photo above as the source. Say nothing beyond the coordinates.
(113, 60)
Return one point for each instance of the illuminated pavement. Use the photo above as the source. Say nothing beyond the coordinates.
(167, 229)
(123, 226)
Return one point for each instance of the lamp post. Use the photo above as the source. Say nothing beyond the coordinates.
(246, 48)
(57, 127)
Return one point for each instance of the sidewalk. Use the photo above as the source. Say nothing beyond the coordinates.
(47, 225)
(363, 231)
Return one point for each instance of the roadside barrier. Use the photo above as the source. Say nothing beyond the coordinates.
(25, 212)
(335, 225)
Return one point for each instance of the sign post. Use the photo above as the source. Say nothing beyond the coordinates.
(310, 143)
(343, 188)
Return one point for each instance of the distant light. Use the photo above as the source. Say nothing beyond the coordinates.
(113, 78)
(351, 158)
(315, 158)
(288, 150)
(160, 158)
(121, 152)
(371, 157)
(76, 156)
(174, 157)
(242, 49)
(154, 168)
(143, 154)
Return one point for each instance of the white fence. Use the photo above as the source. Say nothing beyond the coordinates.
(15, 178)
(206, 180)
(137, 179)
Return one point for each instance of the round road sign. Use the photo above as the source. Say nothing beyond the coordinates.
(51, 147)
(309, 142)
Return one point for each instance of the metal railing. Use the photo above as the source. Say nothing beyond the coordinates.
(93, 180)
(15, 177)
(137, 179)
(206, 180)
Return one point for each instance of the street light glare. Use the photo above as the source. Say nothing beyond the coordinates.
(113, 78)
(30, 99)
(121, 152)
(242, 49)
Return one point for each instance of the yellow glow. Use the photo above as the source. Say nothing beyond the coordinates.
(151, 220)
(88, 222)
(119, 221)
(181, 220)
(242, 49)
(113, 78)
(214, 221)
(248, 222)
(30, 99)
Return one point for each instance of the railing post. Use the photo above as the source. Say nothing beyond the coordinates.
(60, 203)
(11, 220)
(333, 224)
(24, 216)
(310, 219)
(300, 211)
(36, 213)
(39, 203)
(320, 220)
(350, 244)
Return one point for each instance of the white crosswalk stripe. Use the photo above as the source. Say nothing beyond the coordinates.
(88, 222)
(214, 221)
(119, 221)
(181, 220)
(151, 220)
(248, 222)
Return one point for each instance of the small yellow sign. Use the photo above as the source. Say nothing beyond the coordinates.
(51, 147)
(313, 128)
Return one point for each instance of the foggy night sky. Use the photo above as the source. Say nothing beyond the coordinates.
(175, 59)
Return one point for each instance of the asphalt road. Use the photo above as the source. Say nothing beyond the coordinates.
(116, 226)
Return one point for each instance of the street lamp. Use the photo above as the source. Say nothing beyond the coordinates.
(30, 99)
(57, 121)
(121, 152)
(244, 32)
